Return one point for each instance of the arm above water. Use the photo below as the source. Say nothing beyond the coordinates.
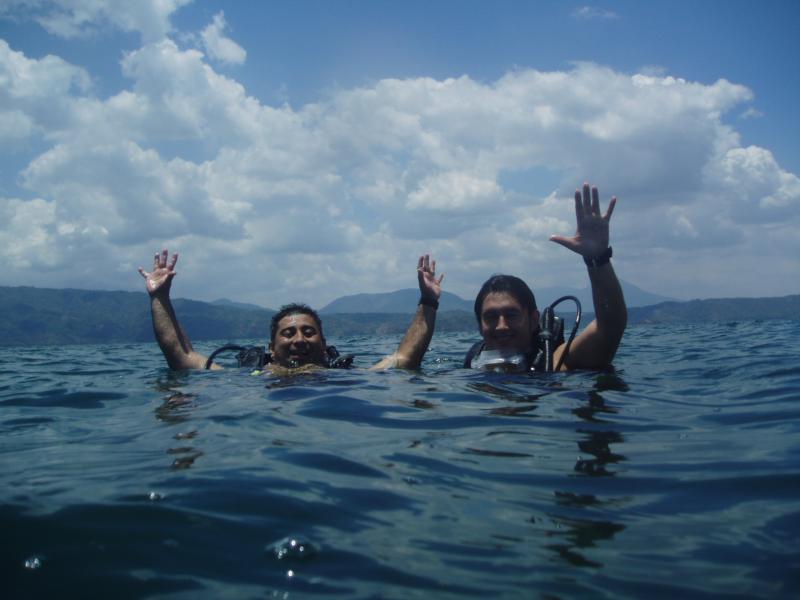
(416, 340)
(596, 346)
(171, 337)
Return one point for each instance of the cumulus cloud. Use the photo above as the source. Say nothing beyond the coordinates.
(80, 18)
(455, 192)
(37, 97)
(26, 236)
(341, 195)
(218, 46)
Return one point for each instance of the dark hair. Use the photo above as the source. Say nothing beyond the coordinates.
(508, 284)
(295, 308)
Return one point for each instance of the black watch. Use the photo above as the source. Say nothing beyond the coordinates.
(432, 302)
(599, 260)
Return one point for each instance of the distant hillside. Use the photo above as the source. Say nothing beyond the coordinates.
(36, 316)
(401, 301)
(405, 301)
(347, 324)
(718, 309)
(246, 305)
(634, 296)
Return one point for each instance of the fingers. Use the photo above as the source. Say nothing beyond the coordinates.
(610, 210)
(426, 264)
(143, 273)
(440, 279)
(587, 199)
(160, 260)
(587, 202)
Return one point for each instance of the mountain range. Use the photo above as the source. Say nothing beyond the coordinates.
(405, 301)
(38, 316)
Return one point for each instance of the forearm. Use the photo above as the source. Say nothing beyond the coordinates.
(596, 346)
(610, 311)
(171, 338)
(416, 340)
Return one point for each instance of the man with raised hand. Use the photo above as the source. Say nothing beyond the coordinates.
(508, 318)
(296, 336)
(416, 340)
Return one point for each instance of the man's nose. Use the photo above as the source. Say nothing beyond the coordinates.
(502, 323)
(298, 338)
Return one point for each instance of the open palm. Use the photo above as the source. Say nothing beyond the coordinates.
(591, 236)
(159, 279)
(429, 285)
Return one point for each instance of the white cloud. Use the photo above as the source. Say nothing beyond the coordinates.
(27, 233)
(341, 195)
(218, 46)
(15, 125)
(751, 113)
(37, 96)
(594, 12)
(762, 191)
(456, 192)
(79, 18)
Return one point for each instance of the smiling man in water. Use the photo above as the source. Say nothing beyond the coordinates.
(509, 319)
(296, 337)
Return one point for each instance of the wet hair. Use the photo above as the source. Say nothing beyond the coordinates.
(295, 308)
(508, 284)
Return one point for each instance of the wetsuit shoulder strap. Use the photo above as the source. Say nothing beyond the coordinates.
(472, 353)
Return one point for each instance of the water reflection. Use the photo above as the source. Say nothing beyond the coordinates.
(177, 409)
(582, 533)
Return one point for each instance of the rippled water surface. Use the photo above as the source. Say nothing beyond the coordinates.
(678, 476)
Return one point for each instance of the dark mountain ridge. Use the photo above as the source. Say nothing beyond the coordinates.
(38, 316)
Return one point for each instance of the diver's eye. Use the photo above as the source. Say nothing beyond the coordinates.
(289, 332)
(490, 317)
(309, 331)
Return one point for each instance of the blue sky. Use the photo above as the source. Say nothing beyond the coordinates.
(307, 150)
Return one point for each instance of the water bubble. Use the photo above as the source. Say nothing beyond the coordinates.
(155, 496)
(293, 547)
(33, 563)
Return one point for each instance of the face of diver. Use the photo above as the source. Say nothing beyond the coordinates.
(506, 325)
(298, 341)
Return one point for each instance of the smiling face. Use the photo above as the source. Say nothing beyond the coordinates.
(298, 341)
(506, 325)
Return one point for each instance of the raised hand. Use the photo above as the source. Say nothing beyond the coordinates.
(159, 279)
(429, 285)
(591, 237)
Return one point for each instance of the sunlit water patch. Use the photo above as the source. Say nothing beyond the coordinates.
(675, 476)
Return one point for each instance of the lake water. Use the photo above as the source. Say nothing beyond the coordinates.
(676, 477)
